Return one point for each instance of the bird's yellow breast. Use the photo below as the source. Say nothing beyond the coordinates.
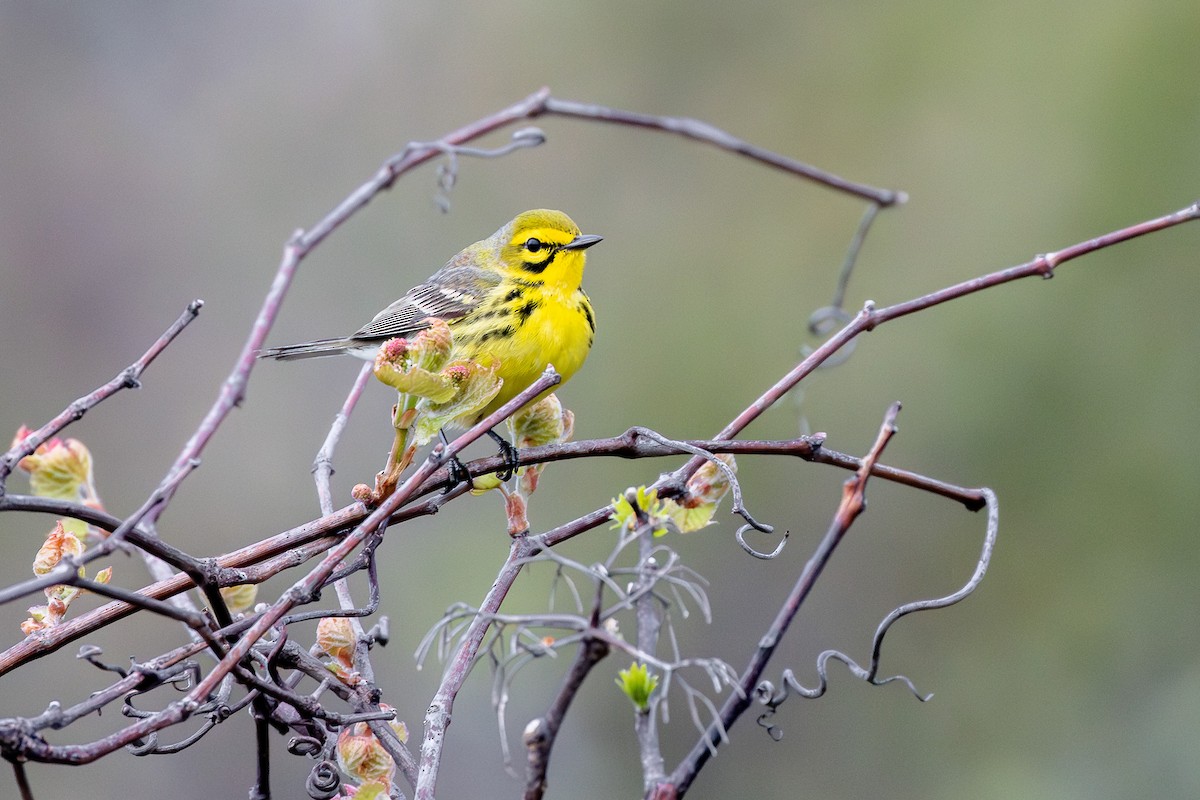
(526, 326)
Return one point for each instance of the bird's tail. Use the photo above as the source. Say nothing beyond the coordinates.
(317, 349)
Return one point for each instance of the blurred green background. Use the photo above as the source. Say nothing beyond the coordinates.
(151, 153)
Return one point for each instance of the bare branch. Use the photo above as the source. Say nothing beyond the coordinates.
(323, 464)
(540, 734)
(870, 318)
(128, 378)
(440, 710)
(848, 510)
(710, 134)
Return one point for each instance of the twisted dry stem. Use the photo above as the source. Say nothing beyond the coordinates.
(766, 692)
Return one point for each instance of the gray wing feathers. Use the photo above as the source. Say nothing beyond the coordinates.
(450, 294)
(454, 291)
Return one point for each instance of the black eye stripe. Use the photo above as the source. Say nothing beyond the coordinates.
(538, 267)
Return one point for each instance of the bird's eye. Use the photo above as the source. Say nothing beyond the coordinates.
(533, 245)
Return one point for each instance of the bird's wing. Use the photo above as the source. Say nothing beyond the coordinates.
(451, 293)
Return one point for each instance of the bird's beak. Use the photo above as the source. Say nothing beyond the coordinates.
(581, 242)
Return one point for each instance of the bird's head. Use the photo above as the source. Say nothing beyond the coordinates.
(544, 245)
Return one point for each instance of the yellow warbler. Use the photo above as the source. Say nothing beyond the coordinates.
(512, 298)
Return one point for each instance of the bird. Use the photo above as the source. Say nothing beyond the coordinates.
(514, 298)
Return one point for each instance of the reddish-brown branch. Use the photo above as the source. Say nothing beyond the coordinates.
(258, 562)
(870, 318)
(739, 700)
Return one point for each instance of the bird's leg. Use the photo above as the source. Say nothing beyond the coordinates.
(511, 459)
(456, 472)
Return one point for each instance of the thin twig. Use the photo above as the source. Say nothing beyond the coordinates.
(323, 464)
(368, 695)
(649, 625)
(437, 719)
